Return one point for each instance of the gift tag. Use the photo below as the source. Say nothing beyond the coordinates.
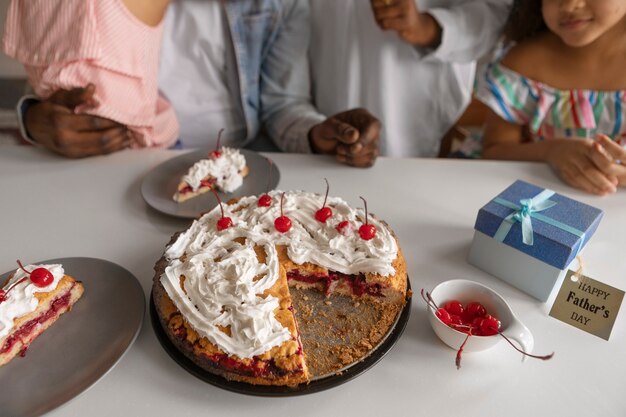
(587, 304)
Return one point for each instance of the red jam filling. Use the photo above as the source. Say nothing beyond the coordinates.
(356, 282)
(256, 368)
(27, 328)
(204, 183)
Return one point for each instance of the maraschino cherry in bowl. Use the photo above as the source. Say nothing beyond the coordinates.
(471, 294)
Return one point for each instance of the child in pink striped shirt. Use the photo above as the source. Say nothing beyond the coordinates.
(112, 44)
(559, 95)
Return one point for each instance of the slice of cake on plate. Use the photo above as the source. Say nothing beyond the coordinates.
(224, 170)
(31, 300)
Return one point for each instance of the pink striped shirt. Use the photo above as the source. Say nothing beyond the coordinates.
(70, 43)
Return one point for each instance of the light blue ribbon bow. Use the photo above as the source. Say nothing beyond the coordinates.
(530, 208)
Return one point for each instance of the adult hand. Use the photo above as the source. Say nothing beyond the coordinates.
(404, 16)
(571, 159)
(352, 136)
(610, 158)
(53, 124)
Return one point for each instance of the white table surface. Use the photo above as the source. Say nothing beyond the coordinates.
(52, 207)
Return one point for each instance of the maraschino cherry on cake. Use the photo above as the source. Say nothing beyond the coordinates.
(223, 170)
(31, 300)
(223, 293)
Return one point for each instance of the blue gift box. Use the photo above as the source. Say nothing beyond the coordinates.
(528, 236)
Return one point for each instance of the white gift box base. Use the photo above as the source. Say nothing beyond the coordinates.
(522, 271)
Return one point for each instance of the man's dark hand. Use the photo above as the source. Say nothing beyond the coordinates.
(53, 124)
(403, 16)
(352, 136)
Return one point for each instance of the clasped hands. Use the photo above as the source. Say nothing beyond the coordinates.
(351, 135)
(593, 165)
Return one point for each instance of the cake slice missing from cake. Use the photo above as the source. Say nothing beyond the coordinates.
(31, 300)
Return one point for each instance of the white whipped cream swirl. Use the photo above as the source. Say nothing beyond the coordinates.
(226, 169)
(21, 299)
(224, 280)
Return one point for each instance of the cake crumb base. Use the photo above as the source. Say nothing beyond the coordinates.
(338, 334)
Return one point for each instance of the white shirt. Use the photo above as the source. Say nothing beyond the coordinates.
(417, 96)
(198, 74)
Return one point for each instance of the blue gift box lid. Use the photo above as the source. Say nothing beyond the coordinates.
(553, 243)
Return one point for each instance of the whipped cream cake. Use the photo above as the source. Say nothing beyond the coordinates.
(224, 170)
(223, 295)
(31, 300)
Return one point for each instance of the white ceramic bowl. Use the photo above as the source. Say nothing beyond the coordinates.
(466, 291)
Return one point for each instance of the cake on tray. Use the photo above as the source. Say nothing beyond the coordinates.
(222, 294)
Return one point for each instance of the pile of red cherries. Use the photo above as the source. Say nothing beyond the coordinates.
(473, 320)
(470, 319)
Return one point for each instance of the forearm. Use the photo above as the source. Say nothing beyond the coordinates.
(530, 151)
(287, 112)
(290, 127)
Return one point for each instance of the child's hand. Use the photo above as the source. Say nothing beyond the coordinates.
(571, 158)
(54, 125)
(610, 158)
(403, 16)
(352, 136)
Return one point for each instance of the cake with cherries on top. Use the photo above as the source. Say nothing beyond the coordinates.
(31, 300)
(222, 288)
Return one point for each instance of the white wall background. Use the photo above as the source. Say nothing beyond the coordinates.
(8, 67)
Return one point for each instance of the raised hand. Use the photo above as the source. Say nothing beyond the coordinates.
(404, 17)
(53, 124)
(572, 159)
(352, 136)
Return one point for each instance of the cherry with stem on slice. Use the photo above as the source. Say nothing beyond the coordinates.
(324, 213)
(282, 223)
(41, 277)
(216, 153)
(223, 222)
(265, 200)
(366, 231)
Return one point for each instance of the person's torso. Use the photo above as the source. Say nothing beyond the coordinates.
(212, 59)
(196, 73)
(356, 64)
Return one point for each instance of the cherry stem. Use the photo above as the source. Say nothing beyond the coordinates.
(364, 202)
(22, 266)
(460, 351)
(543, 358)
(219, 202)
(281, 204)
(429, 300)
(269, 178)
(14, 284)
(327, 189)
(219, 138)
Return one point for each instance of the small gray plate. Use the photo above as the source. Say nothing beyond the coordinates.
(160, 184)
(82, 346)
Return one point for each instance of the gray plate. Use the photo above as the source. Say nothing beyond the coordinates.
(161, 183)
(82, 346)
